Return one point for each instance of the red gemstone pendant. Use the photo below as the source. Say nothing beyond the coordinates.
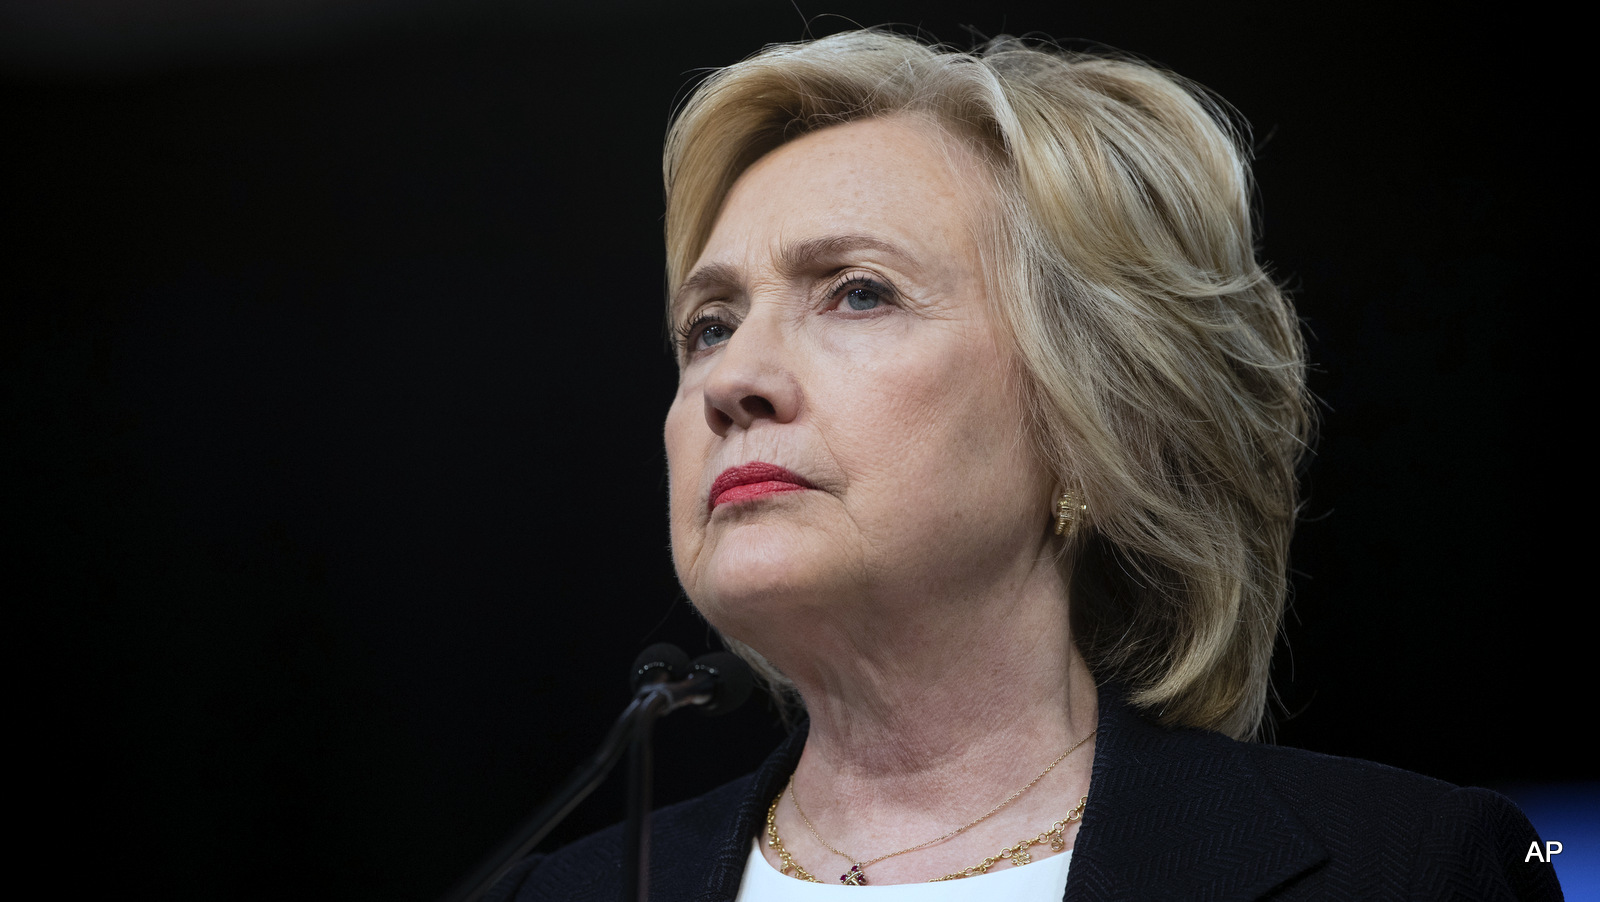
(854, 876)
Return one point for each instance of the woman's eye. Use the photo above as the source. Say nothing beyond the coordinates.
(862, 298)
(859, 295)
(702, 333)
(713, 334)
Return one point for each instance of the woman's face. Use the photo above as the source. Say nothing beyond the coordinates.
(847, 434)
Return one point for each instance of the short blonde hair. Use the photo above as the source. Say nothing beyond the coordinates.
(1162, 367)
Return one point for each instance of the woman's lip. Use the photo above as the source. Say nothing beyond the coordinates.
(753, 480)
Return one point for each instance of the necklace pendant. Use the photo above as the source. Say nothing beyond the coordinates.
(853, 877)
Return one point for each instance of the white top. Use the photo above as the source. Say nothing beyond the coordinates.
(1044, 880)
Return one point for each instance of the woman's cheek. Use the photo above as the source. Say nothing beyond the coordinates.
(685, 540)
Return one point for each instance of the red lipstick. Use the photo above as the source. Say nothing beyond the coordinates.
(753, 480)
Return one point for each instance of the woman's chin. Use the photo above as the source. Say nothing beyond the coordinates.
(745, 583)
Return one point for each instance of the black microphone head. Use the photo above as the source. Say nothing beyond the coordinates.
(733, 681)
(657, 664)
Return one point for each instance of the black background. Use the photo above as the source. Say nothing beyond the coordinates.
(334, 372)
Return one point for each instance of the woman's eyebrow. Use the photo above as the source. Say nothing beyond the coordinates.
(804, 256)
(708, 277)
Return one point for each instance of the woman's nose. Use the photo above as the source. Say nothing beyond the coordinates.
(750, 379)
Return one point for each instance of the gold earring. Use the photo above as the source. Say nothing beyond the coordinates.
(1069, 510)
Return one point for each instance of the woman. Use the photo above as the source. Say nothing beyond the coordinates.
(983, 452)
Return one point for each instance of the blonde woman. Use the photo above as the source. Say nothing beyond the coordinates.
(983, 453)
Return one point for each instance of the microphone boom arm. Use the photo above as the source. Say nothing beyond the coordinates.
(585, 780)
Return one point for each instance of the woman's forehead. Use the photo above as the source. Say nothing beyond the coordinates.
(894, 186)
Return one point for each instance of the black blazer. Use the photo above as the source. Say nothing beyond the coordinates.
(1172, 814)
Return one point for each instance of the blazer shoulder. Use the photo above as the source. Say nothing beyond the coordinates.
(1449, 841)
(1474, 843)
(1332, 780)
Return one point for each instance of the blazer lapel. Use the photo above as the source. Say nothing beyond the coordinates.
(1180, 814)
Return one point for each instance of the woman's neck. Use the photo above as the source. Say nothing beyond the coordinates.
(921, 726)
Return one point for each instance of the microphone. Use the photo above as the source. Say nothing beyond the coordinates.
(660, 662)
(730, 678)
(716, 683)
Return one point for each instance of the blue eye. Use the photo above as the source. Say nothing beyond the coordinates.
(859, 293)
(862, 298)
(704, 332)
(713, 334)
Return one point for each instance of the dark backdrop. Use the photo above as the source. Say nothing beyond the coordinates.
(333, 375)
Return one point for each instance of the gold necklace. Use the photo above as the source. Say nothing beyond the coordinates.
(856, 876)
(1018, 854)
